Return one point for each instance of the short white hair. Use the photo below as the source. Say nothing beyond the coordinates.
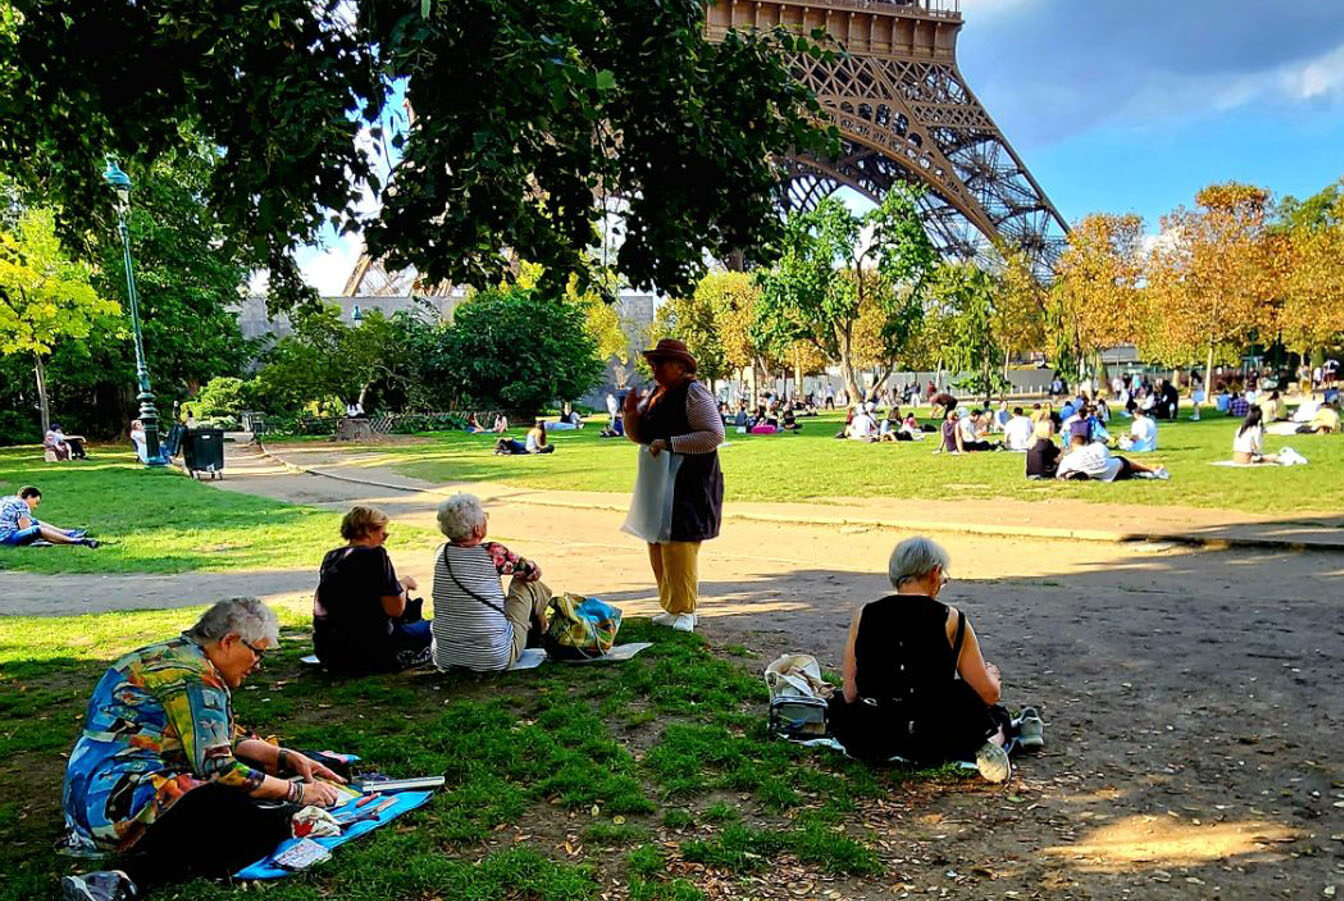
(459, 515)
(248, 618)
(914, 558)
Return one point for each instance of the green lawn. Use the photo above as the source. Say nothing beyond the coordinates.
(560, 780)
(161, 521)
(813, 466)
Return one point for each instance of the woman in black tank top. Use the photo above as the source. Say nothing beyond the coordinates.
(915, 683)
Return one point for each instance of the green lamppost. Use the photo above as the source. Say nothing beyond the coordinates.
(120, 183)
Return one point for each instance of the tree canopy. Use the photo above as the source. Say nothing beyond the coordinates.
(520, 114)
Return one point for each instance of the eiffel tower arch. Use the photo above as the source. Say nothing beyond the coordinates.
(906, 114)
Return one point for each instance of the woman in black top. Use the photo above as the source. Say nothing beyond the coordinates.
(363, 618)
(915, 684)
(1043, 456)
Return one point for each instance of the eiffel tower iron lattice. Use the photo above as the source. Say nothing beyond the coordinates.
(906, 114)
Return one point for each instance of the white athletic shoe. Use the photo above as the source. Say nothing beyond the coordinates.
(664, 619)
(1162, 473)
(684, 622)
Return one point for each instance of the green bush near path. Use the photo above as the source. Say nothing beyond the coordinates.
(552, 792)
(161, 521)
(814, 467)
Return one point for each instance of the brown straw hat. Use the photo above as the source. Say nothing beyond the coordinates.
(671, 349)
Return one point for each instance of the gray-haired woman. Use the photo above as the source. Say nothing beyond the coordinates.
(915, 683)
(476, 626)
(159, 774)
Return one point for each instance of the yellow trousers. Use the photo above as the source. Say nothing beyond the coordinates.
(676, 567)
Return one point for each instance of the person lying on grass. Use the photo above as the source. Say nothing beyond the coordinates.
(915, 683)
(158, 776)
(477, 626)
(18, 526)
(364, 620)
(1092, 460)
(1043, 455)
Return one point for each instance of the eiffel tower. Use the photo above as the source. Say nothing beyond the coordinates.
(906, 114)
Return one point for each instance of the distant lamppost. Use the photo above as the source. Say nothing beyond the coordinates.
(356, 316)
(120, 183)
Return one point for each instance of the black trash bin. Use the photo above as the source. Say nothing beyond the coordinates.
(203, 452)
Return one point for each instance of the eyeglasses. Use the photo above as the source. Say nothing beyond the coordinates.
(259, 653)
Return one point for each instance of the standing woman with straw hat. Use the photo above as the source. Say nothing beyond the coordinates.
(680, 418)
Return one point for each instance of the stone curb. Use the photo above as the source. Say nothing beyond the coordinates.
(1100, 535)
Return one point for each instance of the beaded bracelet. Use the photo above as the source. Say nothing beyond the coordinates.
(295, 792)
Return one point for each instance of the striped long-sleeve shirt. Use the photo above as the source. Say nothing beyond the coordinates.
(703, 415)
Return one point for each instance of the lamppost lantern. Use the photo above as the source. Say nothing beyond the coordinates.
(356, 316)
(120, 183)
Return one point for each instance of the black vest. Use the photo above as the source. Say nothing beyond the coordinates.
(697, 495)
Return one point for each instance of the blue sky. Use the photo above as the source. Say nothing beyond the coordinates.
(1133, 106)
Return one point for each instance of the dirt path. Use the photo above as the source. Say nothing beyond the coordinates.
(1192, 697)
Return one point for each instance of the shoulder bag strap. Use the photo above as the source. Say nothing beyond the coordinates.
(452, 575)
(956, 642)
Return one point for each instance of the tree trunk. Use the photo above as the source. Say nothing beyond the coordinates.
(44, 404)
(1208, 374)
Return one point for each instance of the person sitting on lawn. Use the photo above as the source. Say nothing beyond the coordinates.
(1142, 437)
(18, 526)
(1043, 455)
(473, 425)
(55, 449)
(616, 429)
(915, 683)
(1248, 447)
(951, 434)
(1017, 433)
(1323, 422)
(1092, 460)
(536, 440)
(501, 424)
(862, 427)
(138, 440)
(74, 444)
(975, 433)
(1238, 406)
(364, 620)
(476, 625)
(159, 775)
(1274, 407)
(788, 421)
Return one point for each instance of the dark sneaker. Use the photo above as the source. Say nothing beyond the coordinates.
(1030, 729)
(103, 885)
(90, 542)
(992, 762)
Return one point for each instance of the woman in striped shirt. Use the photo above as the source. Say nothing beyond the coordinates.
(476, 625)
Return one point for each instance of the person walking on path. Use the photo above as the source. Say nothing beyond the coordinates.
(679, 417)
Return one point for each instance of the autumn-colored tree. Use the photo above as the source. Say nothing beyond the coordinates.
(833, 265)
(1021, 308)
(692, 321)
(1096, 300)
(1212, 280)
(1311, 314)
(45, 296)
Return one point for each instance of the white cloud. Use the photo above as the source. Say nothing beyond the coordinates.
(1318, 78)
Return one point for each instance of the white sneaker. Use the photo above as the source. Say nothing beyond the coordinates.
(664, 619)
(1162, 473)
(684, 622)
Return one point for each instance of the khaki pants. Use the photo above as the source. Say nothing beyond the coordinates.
(676, 567)
(525, 605)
